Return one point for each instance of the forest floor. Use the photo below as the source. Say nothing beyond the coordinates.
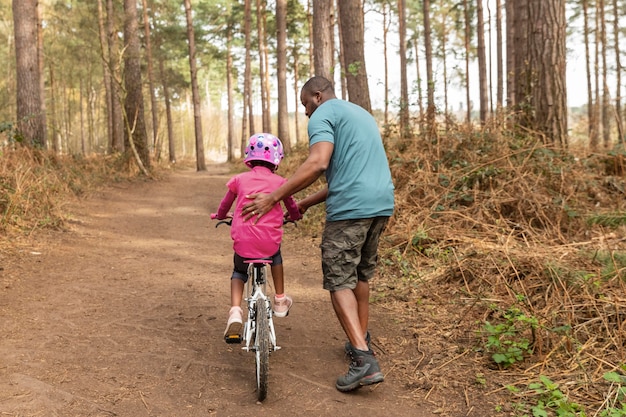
(122, 314)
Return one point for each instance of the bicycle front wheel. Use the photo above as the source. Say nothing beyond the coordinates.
(262, 342)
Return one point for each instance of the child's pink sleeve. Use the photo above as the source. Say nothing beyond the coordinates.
(292, 208)
(227, 202)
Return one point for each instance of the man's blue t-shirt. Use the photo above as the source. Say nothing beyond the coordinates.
(358, 175)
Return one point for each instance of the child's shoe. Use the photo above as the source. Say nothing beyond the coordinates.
(234, 324)
(282, 306)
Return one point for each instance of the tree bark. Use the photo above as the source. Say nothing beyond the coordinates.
(197, 110)
(281, 57)
(405, 130)
(499, 57)
(31, 120)
(606, 105)
(309, 20)
(117, 140)
(168, 113)
(153, 101)
(230, 135)
(430, 82)
(386, 61)
(546, 69)
(467, 39)
(135, 137)
(352, 31)
(482, 62)
(263, 67)
(104, 51)
(42, 78)
(323, 38)
(618, 75)
(592, 130)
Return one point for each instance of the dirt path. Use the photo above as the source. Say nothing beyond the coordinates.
(123, 316)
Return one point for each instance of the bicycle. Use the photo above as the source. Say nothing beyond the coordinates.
(258, 330)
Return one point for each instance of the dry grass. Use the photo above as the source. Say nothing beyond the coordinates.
(503, 230)
(36, 185)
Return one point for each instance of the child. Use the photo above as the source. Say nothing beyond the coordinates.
(259, 237)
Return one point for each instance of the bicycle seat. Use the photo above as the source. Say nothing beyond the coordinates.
(259, 261)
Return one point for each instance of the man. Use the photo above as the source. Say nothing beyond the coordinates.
(345, 145)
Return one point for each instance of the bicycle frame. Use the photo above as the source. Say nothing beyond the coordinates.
(256, 294)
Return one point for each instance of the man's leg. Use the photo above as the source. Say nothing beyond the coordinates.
(362, 294)
(347, 308)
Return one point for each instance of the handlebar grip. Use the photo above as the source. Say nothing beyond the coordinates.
(213, 215)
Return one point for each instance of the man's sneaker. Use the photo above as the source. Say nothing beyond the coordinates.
(363, 370)
(282, 306)
(234, 325)
(349, 348)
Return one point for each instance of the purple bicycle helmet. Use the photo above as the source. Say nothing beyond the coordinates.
(264, 147)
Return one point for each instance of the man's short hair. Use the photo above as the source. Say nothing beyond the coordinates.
(318, 83)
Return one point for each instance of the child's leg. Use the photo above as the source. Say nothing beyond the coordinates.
(279, 280)
(282, 302)
(236, 292)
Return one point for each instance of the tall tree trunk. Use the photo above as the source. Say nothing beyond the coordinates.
(420, 92)
(309, 20)
(618, 75)
(104, 53)
(42, 78)
(499, 57)
(153, 101)
(230, 139)
(266, 76)
(467, 39)
(135, 137)
(430, 82)
(53, 112)
(281, 56)
(342, 60)
(197, 109)
(352, 30)
(81, 113)
(592, 129)
(596, 75)
(296, 87)
(482, 62)
(386, 61)
(249, 95)
(31, 120)
(606, 105)
(266, 120)
(246, 122)
(512, 40)
(546, 67)
(405, 129)
(168, 113)
(323, 38)
(117, 143)
(444, 63)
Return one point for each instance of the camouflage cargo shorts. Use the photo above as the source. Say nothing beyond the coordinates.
(350, 251)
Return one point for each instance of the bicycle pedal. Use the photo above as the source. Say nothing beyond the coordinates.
(232, 339)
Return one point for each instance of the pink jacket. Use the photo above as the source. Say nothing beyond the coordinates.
(262, 239)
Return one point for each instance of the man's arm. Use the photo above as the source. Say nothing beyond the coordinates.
(306, 174)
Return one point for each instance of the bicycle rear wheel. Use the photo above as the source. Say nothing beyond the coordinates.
(262, 342)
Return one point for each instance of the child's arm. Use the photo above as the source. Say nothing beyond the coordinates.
(292, 208)
(313, 199)
(227, 202)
